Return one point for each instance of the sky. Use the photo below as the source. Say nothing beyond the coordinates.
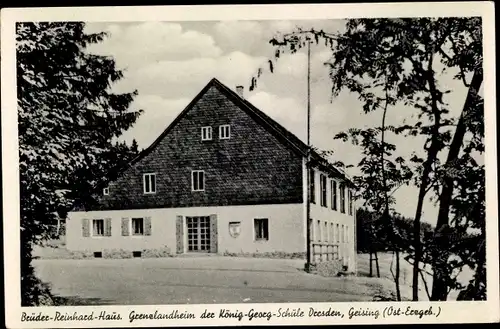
(168, 63)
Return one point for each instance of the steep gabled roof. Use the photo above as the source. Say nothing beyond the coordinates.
(268, 123)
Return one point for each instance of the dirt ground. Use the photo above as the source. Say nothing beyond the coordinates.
(211, 279)
(194, 280)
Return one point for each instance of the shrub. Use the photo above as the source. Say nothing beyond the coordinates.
(85, 254)
(116, 253)
(157, 253)
(272, 254)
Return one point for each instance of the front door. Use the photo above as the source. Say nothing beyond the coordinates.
(198, 229)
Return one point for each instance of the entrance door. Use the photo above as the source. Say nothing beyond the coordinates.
(198, 229)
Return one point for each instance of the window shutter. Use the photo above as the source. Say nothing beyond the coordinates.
(85, 227)
(147, 226)
(125, 227)
(107, 227)
(179, 228)
(213, 233)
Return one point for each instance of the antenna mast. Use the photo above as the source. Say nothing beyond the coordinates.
(308, 172)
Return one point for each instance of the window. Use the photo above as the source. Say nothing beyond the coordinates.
(347, 234)
(312, 188)
(325, 231)
(198, 180)
(105, 191)
(322, 183)
(149, 182)
(332, 237)
(342, 233)
(342, 198)
(261, 229)
(98, 227)
(206, 133)
(337, 232)
(137, 226)
(225, 132)
(333, 184)
(318, 231)
(349, 198)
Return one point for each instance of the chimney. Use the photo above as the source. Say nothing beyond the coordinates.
(239, 91)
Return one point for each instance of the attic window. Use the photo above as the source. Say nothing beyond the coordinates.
(206, 133)
(225, 132)
(149, 183)
(105, 191)
(198, 180)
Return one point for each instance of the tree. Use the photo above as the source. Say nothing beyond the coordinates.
(68, 118)
(380, 178)
(405, 59)
(465, 39)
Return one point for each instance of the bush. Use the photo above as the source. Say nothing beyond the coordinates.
(272, 254)
(116, 253)
(85, 254)
(35, 292)
(157, 253)
(330, 268)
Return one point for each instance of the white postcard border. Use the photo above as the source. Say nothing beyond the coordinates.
(450, 311)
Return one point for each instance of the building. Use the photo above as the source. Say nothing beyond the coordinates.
(223, 177)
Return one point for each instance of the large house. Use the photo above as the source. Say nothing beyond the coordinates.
(223, 177)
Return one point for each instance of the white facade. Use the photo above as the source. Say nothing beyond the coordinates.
(285, 229)
(333, 226)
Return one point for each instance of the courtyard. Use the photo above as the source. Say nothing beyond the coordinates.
(198, 280)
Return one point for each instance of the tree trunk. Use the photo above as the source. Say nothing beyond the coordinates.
(371, 264)
(387, 217)
(440, 276)
(431, 157)
(396, 279)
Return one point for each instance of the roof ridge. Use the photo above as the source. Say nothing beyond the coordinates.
(277, 126)
(273, 124)
(266, 117)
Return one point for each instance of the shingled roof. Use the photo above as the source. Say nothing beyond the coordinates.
(267, 122)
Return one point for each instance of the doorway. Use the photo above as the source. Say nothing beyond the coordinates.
(198, 229)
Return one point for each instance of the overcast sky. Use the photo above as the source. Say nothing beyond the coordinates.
(168, 63)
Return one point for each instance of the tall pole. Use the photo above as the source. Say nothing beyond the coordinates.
(308, 205)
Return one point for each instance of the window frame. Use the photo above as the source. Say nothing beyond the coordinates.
(319, 234)
(333, 188)
(325, 232)
(105, 191)
(150, 174)
(222, 128)
(342, 190)
(131, 228)
(103, 228)
(265, 229)
(323, 189)
(312, 186)
(349, 202)
(208, 130)
(193, 180)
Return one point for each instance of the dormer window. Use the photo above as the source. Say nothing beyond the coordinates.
(224, 132)
(149, 183)
(206, 133)
(105, 191)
